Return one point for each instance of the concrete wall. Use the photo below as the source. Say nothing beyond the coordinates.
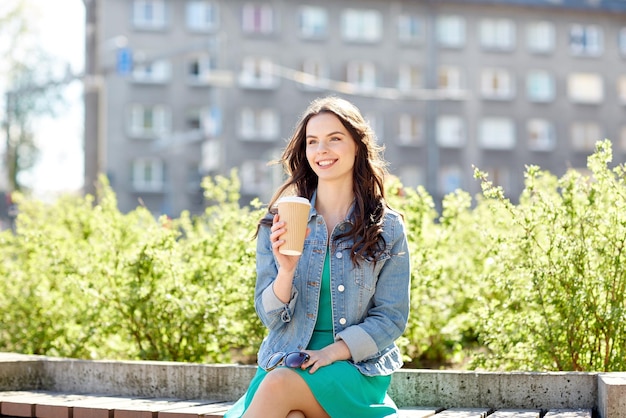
(604, 392)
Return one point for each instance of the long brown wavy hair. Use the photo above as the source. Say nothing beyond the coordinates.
(368, 176)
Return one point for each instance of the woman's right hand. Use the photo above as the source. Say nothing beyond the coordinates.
(286, 262)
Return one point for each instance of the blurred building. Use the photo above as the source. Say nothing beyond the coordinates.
(191, 88)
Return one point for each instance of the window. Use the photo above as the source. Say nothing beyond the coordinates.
(586, 40)
(622, 41)
(211, 156)
(410, 28)
(361, 25)
(314, 75)
(540, 37)
(585, 88)
(157, 72)
(376, 123)
(259, 125)
(361, 75)
(497, 34)
(622, 138)
(451, 31)
(496, 133)
(540, 86)
(199, 68)
(449, 78)
(410, 77)
(202, 16)
(254, 176)
(621, 89)
(584, 136)
(496, 83)
(450, 132)
(149, 122)
(450, 179)
(410, 130)
(411, 176)
(499, 177)
(148, 175)
(541, 135)
(149, 14)
(205, 119)
(258, 19)
(313, 22)
(258, 73)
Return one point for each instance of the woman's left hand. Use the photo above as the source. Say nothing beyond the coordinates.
(328, 355)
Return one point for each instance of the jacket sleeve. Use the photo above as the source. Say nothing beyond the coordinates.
(387, 317)
(271, 310)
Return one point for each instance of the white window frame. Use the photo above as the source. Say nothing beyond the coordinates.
(206, 119)
(540, 37)
(450, 131)
(258, 73)
(410, 130)
(622, 41)
(149, 121)
(621, 89)
(449, 78)
(202, 16)
(497, 84)
(497, 34)
(584, 135)
(149, 14)
(204, 65)
(155, 181)
(450, 179)
(361, 75)
(410, 77)
(585, 88)
(211, 156)
(496, 133)
(540, 86)
(586, 40)
(259, 124)
(154, 72)
(258, 19)
(451, 31)
(541, 134)
(313, 22)
(411, 176)
(410, 28)
(499, 176)
(314, 75)
(361, 25)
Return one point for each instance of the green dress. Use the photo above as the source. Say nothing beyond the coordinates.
(340, 388)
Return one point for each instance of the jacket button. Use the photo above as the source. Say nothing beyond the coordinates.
(339, 254)
(341, 288)
(342, 321)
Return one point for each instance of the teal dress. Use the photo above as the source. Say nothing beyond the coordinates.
(340, 388)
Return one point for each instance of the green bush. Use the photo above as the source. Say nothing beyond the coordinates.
(538, 285)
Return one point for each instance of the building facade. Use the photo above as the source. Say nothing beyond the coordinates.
(193, 88)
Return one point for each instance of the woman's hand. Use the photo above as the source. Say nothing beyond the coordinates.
(286, 262)
(328, 355)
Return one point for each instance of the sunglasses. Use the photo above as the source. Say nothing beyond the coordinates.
(293, 359)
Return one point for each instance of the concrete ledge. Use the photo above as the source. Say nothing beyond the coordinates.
(612, 394)
(605, 393)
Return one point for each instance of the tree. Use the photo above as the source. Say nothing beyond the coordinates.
(31, 87)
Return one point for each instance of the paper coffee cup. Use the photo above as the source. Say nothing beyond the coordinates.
(294, 211)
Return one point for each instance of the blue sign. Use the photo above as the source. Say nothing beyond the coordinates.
(124, 61)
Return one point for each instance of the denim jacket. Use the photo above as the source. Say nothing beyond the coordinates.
(370, 302)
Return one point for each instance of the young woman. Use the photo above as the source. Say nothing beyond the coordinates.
(333, 313)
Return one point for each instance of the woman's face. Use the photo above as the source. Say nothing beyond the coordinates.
(330, 149)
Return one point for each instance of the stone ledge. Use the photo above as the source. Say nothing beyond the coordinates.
(605, 393)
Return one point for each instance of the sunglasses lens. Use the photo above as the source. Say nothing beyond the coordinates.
(296, 359)
(274, 360)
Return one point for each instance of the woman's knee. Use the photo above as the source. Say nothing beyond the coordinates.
(279, 380)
